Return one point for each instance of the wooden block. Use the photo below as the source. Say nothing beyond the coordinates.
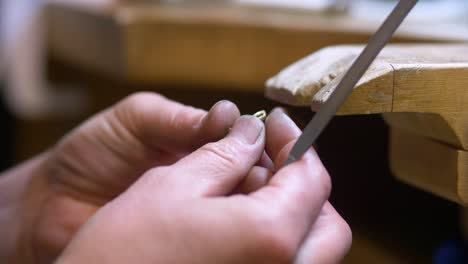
(312, 79)
(435, 89)
(421, 92)
(430, 165)
(426, 82)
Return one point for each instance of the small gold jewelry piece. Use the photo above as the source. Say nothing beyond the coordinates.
(261, 115)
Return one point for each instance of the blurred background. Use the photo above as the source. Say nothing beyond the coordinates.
(61, 61)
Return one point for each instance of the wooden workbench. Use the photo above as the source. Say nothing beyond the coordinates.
(219, 46)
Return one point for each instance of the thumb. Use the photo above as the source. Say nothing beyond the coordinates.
(217, 168)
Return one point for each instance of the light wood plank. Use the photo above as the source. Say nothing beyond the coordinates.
(427, 82)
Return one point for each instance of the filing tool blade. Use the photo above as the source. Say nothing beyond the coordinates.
(350, 79)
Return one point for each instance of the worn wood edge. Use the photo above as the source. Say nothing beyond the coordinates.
(439, 89)
(451, 77)
(321, 67)
(429, 165)
(403, 77)
(431, 95)
(372, 95)
(313, 78)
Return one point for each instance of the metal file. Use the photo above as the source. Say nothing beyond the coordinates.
(350, 79)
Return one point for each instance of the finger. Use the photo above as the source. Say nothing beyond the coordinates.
(161, 123)
(299, 190)
(217, 168)
(266, 162)
(110, 151)
(328, 241)
(255, 179)
(281, 130)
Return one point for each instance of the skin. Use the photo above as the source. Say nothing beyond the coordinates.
(153, 181)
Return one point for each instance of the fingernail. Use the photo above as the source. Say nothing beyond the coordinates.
(281, 109)
(247, 128)
(223, 109)
(212, 109)
(279, 118)
(216, 105)
(279, 115)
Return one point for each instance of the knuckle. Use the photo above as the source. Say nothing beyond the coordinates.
(137, 111)
(181, 115)
(139, 98)
(139, 103)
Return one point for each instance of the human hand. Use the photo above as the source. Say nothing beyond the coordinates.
(187, 212)
(45, 201)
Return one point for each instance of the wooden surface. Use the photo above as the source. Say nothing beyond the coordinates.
(211, 46)
(428, 80)
(430, 165)
(421, 89)
(313, 78)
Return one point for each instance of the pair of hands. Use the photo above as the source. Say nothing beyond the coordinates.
(153, 181)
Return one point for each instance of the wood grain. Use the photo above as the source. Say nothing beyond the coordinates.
(426, 82)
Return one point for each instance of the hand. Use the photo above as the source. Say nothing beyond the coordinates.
(45, 201)
(186, 212)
